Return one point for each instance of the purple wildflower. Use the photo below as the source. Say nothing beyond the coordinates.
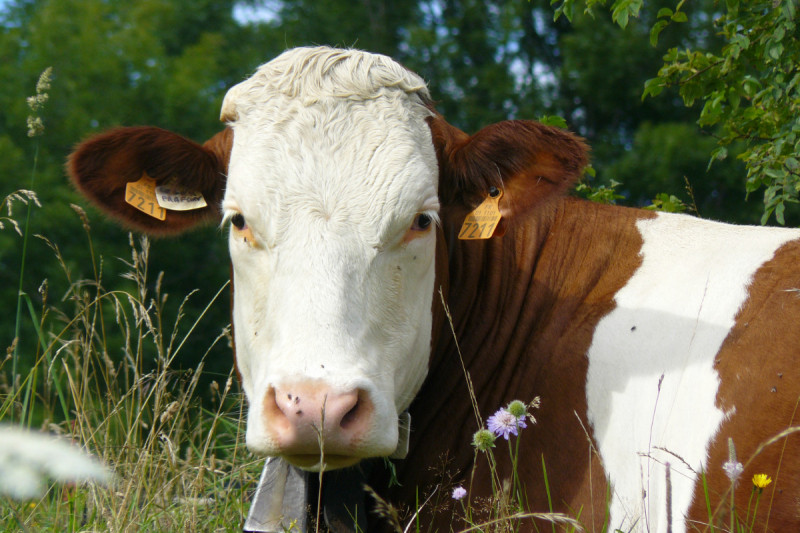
(503, 423)
(733, 470)
(459, 492)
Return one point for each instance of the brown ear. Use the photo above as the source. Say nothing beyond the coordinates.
(530, 162)
(103, 165)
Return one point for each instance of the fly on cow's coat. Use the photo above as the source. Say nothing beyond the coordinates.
(652, 339)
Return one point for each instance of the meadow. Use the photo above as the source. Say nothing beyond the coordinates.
(177, 453)
(101, 374)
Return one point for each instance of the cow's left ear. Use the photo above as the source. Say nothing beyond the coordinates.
(528, 161)
(151, 179)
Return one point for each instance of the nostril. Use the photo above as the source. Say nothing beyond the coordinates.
(351, 416)
(358, 418)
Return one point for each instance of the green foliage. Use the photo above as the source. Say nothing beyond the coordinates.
(749, 90)
(621, 10)
(667, 202)
(665, 16)
(604, 194)
(673, 157)
(553, 120)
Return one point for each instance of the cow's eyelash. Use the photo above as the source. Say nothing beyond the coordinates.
(431, 216)
(235, 218)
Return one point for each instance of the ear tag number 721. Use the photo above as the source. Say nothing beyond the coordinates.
(142, 195)
(482, 221)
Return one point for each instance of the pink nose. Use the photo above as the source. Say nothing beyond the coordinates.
(304, 415)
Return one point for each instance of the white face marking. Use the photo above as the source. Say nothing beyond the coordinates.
(332, 283)
(671, 319)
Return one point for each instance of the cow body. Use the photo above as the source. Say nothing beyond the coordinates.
(652, 339)
(638, 332)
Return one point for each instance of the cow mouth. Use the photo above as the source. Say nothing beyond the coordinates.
(312, 461)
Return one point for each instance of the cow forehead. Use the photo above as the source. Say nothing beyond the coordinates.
(308, 75)
(311, 147)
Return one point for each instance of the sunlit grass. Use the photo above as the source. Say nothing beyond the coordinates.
(179, 462)
(99, 375)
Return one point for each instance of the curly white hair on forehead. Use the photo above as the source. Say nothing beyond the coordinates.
(312, 74)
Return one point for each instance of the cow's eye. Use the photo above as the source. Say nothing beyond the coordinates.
(422, 222)
(243, 231)
(238, 221)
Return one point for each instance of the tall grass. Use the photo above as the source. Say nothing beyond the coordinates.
(35, 130)
(179, 464)
(100, 375)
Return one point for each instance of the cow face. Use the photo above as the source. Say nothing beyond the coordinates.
(330, 177)
(332, 204)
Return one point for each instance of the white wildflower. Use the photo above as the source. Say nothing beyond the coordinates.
(29, 459)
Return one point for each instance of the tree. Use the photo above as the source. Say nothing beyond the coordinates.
(374, 25)
(672, 157)
(749, 87)
(114, 63)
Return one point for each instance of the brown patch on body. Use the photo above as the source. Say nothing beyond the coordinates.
(759, 370)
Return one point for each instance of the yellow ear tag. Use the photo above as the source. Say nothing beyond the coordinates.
(142, 195)
(481, 223)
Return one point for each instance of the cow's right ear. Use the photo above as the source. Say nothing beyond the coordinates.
(103, 166)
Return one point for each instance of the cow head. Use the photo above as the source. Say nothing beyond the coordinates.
(331, 175)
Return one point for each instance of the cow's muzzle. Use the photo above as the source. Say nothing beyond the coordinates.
(312, 424)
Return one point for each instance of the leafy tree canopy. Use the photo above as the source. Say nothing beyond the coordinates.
(749, 87)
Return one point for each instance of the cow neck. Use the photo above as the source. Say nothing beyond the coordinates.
(524, 307)
(538, 275)
(490, 281)
(526, 302)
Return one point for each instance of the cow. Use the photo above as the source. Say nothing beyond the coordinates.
(656, 342)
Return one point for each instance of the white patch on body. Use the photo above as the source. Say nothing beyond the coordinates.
(670, 319)
(332, 159)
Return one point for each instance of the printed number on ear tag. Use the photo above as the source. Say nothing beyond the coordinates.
(142, 195)
(172, 196)
(481, 223)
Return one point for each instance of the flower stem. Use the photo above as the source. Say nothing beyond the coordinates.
(18, 316)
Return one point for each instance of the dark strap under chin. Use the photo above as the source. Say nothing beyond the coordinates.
(343, 499)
